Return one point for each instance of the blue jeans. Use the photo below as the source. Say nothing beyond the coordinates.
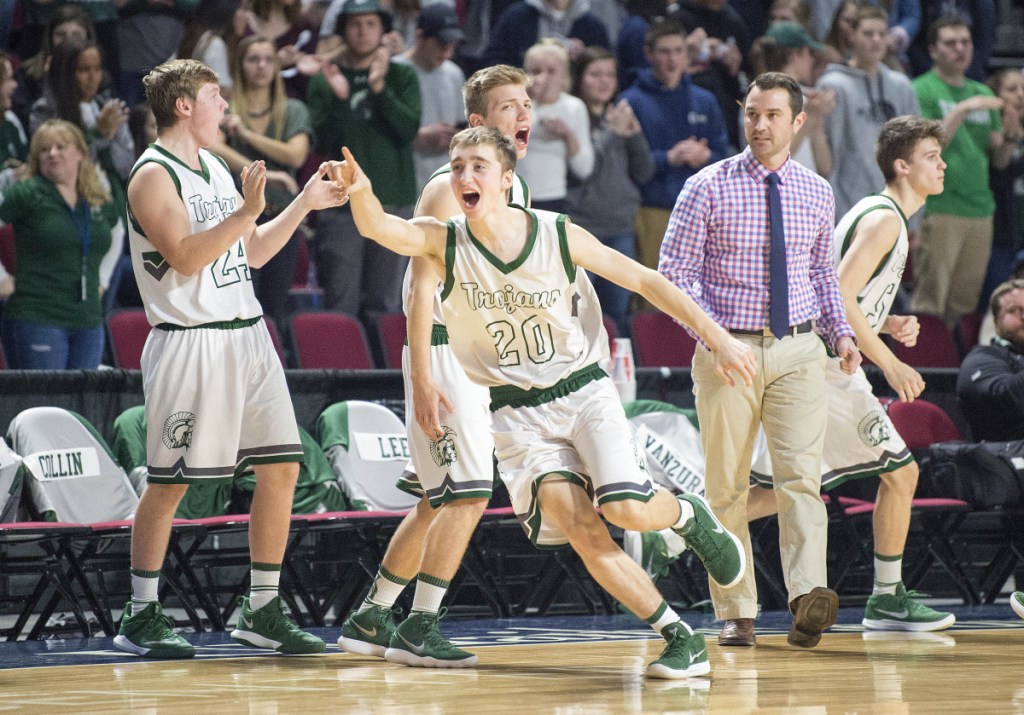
(36, 346)
(614, 298)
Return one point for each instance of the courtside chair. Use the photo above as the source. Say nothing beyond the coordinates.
(128, 330)
(391, 335)
(967, 331)
(935, 345)
(660, 341)
(936, 521)
(275, 338)
(330, 341)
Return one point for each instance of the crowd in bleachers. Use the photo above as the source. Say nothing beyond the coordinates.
(630, 99)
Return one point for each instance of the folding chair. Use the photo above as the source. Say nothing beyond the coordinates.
(936, 521)
(71, 476)
(660, 341)
(332, 341)
(368, 449)
(128, 330)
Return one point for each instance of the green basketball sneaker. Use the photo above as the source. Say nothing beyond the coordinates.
(368, 632)
(1017, 603)
(900, 612)
(151, 635)
(649, 549)
(418, 641)
(272, 627)
(718, 549)
(685, 655)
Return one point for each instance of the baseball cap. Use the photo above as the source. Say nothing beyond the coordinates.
(362, 7)
(440, 21)
(792, 34)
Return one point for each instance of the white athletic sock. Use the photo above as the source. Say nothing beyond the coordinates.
(665, 616)
(888, 574)
(685, 514)
(145, 585)
(429, 593)
(385, 590)
(263, 584)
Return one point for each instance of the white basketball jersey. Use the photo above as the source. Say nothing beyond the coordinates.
(527, 323)
(877, 296)
(518, 194)
(219, 292)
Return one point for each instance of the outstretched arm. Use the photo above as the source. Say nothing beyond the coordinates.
(730, 355)
(420, 237)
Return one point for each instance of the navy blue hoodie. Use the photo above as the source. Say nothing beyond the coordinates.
(668, 116)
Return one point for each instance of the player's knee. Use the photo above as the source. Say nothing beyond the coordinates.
(166, 495)
(903, 481)
(629, 514)
(588, 538)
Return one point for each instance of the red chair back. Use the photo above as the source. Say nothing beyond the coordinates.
(391, 331)
(921, 423)
(331, 341)
(275, 338)
(660, 341)
(935, 345)
(128, 330)
(968, 329)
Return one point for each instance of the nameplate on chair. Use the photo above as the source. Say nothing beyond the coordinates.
(373, 447)
(77, 463)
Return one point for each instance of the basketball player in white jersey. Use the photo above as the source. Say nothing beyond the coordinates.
(860, 441)
(216, 397)
(452, 458)
(561, 436)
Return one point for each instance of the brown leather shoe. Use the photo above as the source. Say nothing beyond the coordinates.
(812, 613)
(738, 632)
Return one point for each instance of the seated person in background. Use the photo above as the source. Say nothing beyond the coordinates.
(991, 381)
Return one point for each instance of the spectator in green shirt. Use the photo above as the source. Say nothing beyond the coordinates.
(67, 238)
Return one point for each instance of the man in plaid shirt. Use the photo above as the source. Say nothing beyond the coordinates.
(788, 307)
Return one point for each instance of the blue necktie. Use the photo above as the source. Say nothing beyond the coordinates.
(778, 312)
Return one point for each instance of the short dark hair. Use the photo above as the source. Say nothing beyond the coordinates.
(899, 137)
(996, 301)
(943, 22)
(870, 12)
(487, 136)
(663, 28)
(779, 80)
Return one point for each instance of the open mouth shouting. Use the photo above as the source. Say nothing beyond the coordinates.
(470, 199)
(522, 137)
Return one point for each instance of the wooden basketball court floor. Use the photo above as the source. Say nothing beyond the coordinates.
(557, 665)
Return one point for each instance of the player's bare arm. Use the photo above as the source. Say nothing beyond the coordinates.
(269, 238)
(730, 354)
(875, 237)
(436, 200)
(428, 397)
(424, 236)
(154, 203)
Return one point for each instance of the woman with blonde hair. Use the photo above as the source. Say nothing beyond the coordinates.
(560, 144)
(264, 124)
(67, 238)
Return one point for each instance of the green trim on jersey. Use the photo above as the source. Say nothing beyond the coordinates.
(563, 247)
(203, 171)
(525, 188)
(438, 336)
(236, 324)
(507, 268)
(648, 407)
(174, 177)
(512, 396)
(449, 262)
(848, 238)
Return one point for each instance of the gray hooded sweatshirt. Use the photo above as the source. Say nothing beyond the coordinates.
(863, 104)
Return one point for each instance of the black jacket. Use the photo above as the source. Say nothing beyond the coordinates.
(991, 390)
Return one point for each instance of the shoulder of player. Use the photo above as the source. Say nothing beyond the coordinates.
(437, 199)
(880, 225)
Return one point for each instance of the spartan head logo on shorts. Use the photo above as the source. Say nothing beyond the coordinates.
(443, 449)
(639, 456)
(178, 430)
(874, 428)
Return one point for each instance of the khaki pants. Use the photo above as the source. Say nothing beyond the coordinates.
(788, 397)
(950, 264)
(651, 224)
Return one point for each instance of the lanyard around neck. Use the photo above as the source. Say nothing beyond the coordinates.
(81, 217)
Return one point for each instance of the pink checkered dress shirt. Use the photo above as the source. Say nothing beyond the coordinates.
(716, 246)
